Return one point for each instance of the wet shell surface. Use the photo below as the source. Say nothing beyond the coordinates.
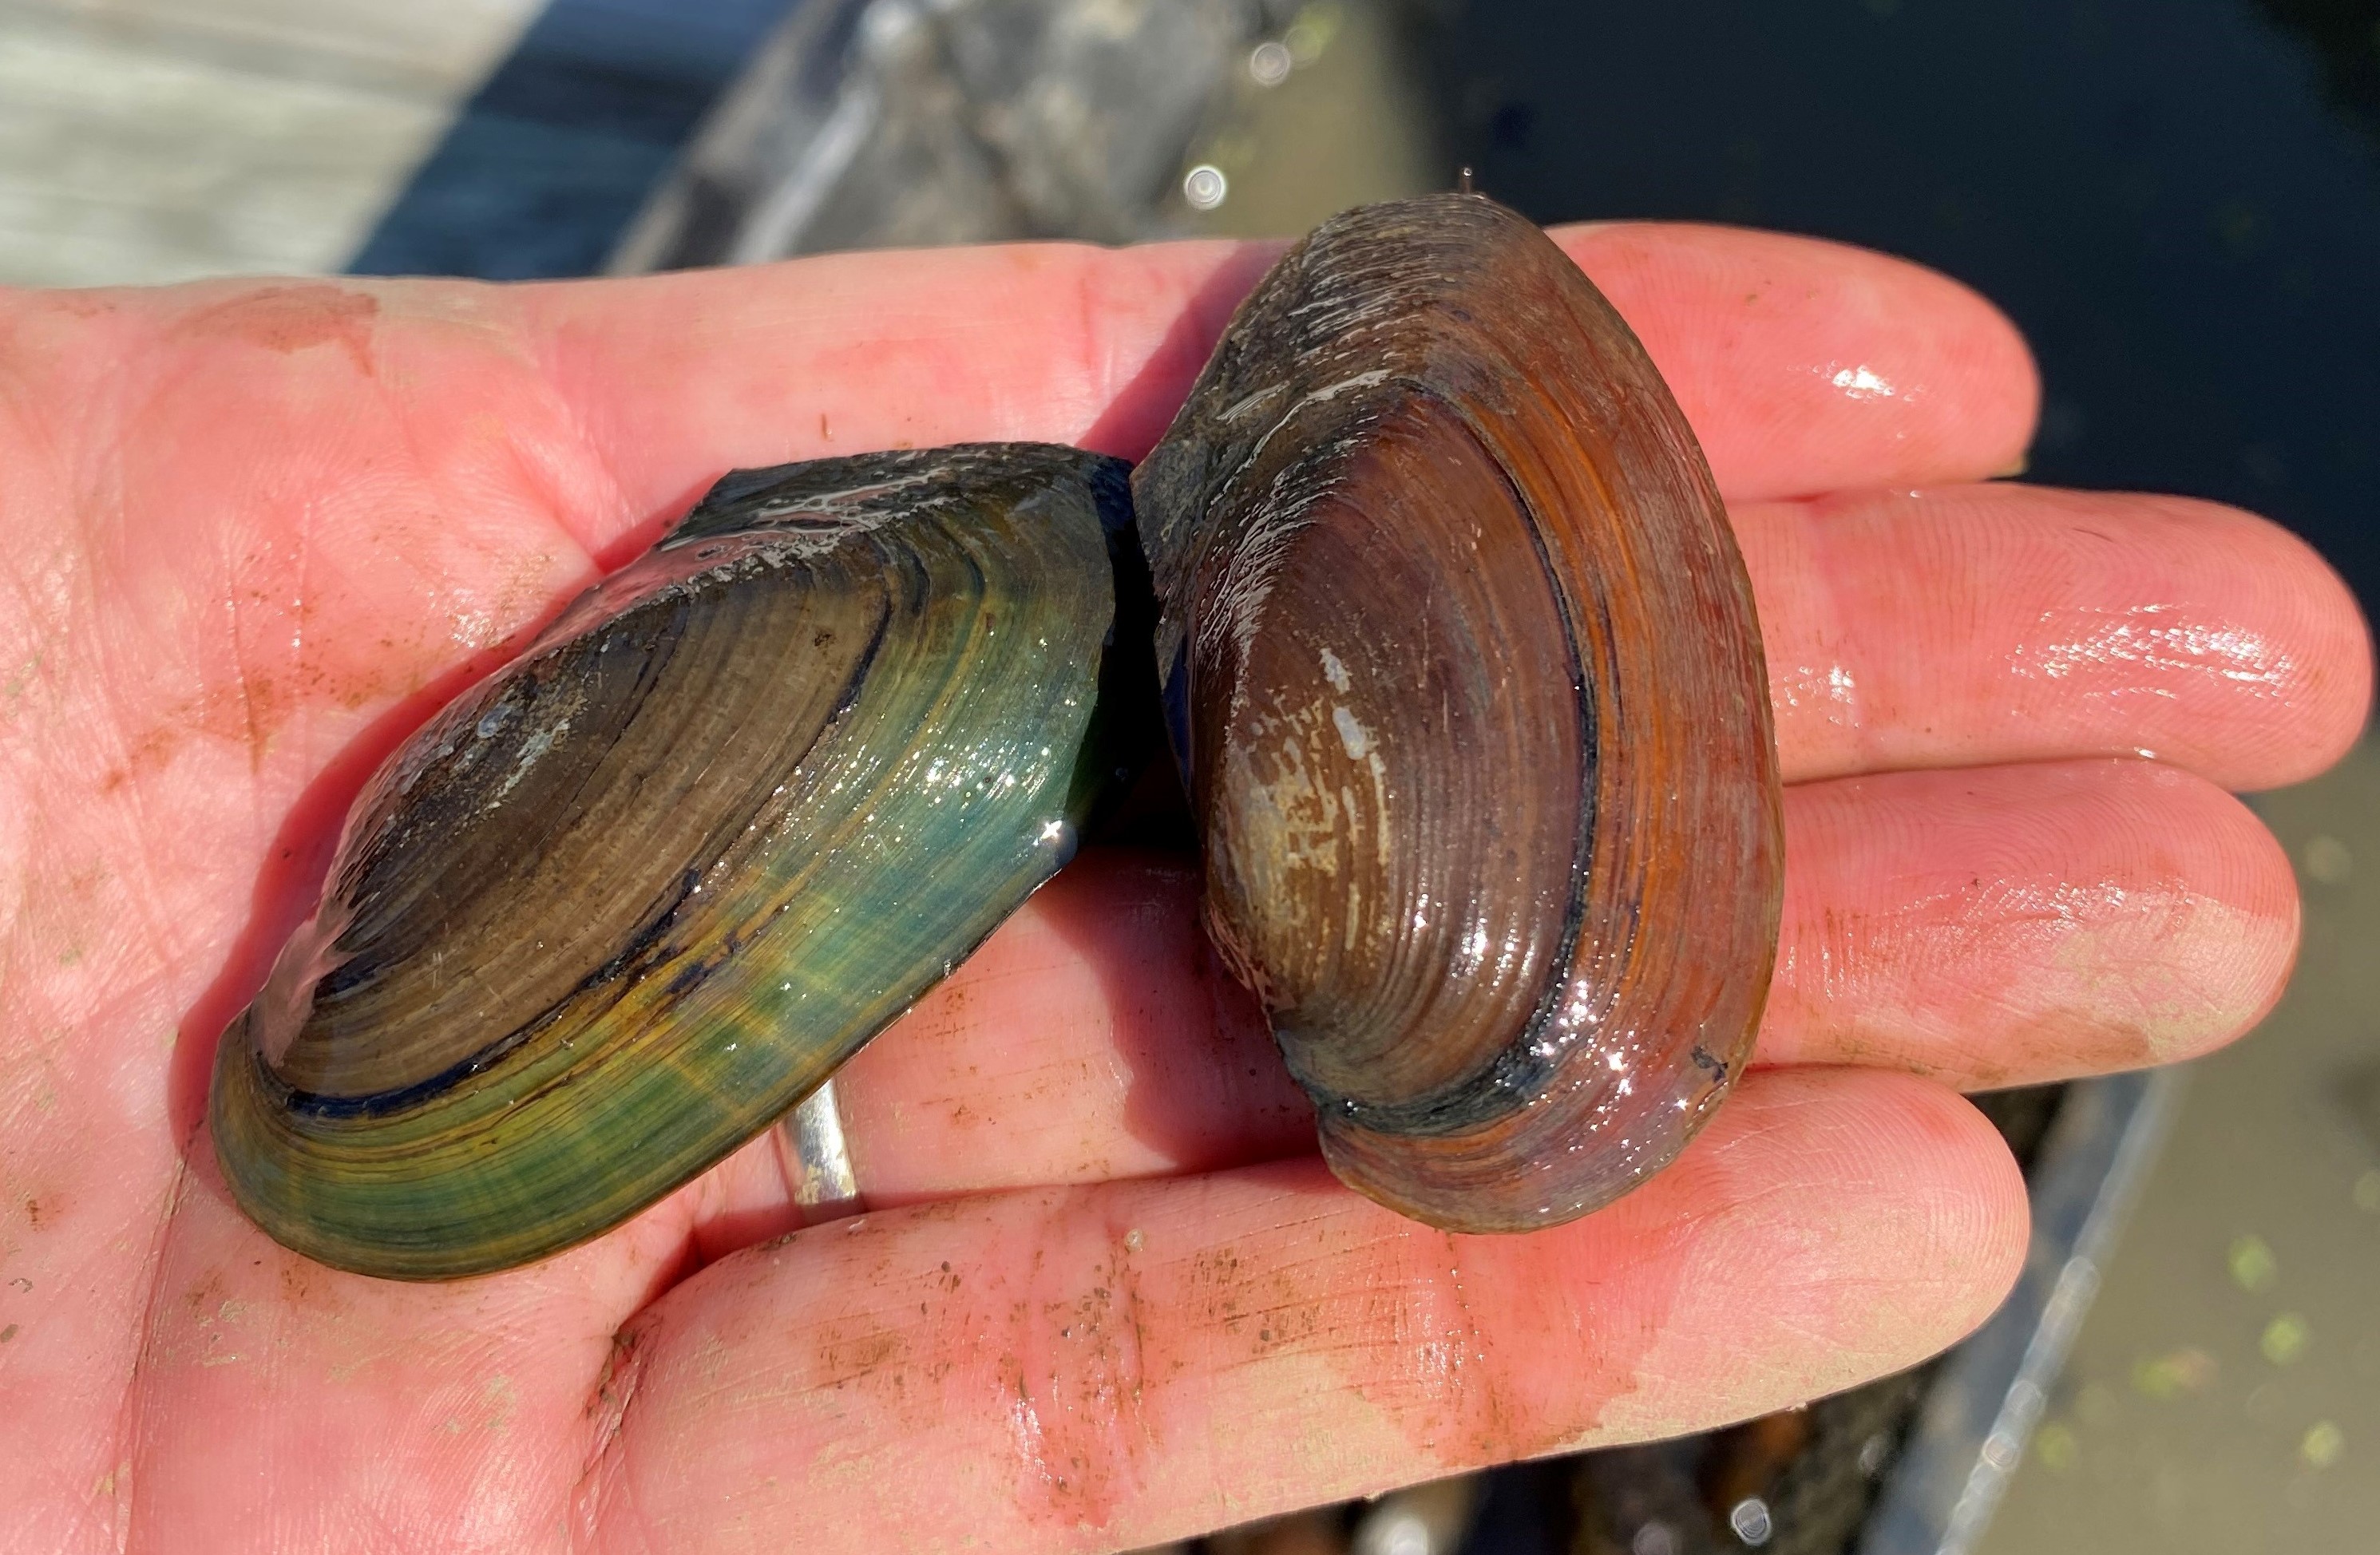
(1462, 668)
(629, 899)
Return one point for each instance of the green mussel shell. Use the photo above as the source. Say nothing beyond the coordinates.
(628, 899)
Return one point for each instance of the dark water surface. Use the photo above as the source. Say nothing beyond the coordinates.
(2178, 200)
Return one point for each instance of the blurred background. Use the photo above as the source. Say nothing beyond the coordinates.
(2178, 200)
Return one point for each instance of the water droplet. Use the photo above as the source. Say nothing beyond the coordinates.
(1204, 186)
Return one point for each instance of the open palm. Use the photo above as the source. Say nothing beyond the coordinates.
(1104, 1294)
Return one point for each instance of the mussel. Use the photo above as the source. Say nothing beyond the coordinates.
(1461, 671)
(627, 900)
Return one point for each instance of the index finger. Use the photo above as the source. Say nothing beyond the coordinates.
(1804, 366)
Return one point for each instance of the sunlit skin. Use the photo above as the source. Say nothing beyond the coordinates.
(1104, 1295)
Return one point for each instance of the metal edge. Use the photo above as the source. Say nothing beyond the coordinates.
(1980, 1410)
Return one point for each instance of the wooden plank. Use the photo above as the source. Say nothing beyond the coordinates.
(440, 48)
(159, 140)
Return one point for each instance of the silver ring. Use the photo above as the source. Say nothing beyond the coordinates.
(816, 1161)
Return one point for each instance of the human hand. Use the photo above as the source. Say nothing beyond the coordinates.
(1105, 1294)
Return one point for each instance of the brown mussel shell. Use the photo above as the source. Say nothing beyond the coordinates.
(1463, 672)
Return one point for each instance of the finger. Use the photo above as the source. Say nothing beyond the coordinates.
(1862, 369)
(1998, 623)
(2021, 924)
(1104, 1367)
(1996, 927)
(1802, 365)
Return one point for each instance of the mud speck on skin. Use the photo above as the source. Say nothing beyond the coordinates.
(294, 1286)
(76, 304)
(288, 319)
(1074, 1370)
(207, 1294)
(856, 1351)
